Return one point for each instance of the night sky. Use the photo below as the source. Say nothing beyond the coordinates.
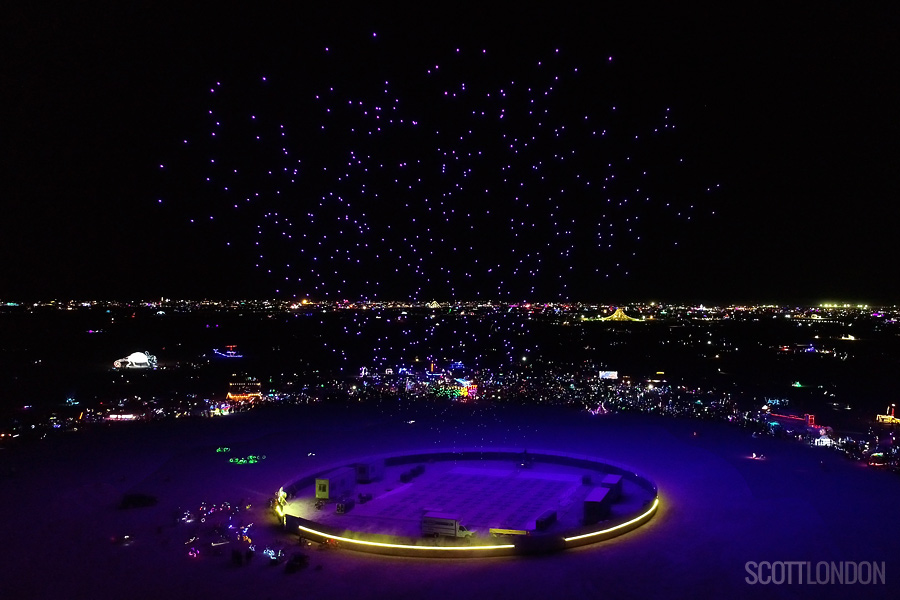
(739, 155)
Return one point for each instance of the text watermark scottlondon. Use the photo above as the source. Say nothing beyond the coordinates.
(804, 572)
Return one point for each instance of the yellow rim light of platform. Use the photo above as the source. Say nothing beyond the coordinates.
(620, 526)
(404, 546)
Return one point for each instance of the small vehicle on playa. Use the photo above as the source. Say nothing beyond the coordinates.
(437, 524)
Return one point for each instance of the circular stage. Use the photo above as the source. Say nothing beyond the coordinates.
(467, 503)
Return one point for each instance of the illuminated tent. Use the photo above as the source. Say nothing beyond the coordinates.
(619, 315)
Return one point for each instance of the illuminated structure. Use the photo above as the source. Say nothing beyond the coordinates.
(230, 353)
(619, 315)
(888, 417)
(467, 388)
(805, 421)
(460, 389)
(877, 459)
(248, 389)
(463, 388)
(136, 360)
(121, 417)
(793, 423)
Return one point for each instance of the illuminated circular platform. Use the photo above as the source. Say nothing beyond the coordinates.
(515, 502)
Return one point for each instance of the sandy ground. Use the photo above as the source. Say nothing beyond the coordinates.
(719, 509)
